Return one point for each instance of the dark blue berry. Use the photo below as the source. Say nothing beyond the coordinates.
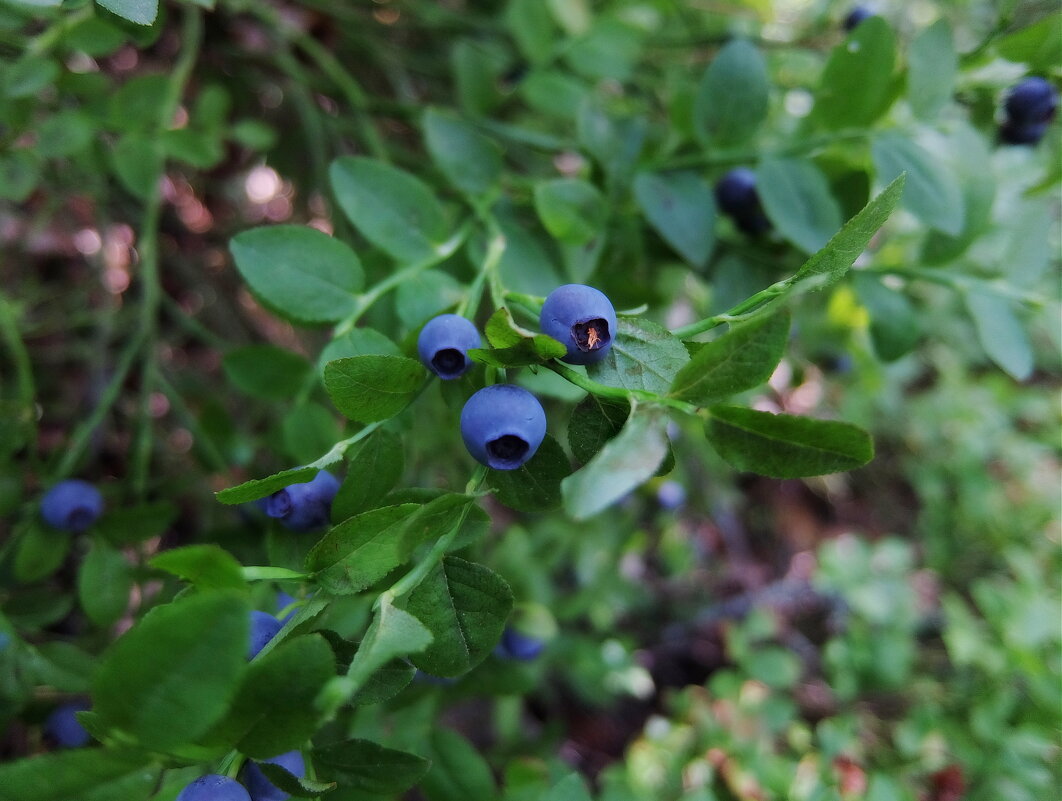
(737, 198)
(283, 602)
(72, 505)
(1033, 102)
(502, 426)
(264, 627)
(582, 319)
(1013, 134)
(444, 343)
(63, 727)
(213, 787)
(260, 788)
(857, 15)
(304, 507)
(518, 646)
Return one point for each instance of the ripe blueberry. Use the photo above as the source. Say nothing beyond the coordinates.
(63, 727)
(444, 343)
(213, 787)
(72, 505)
(264, 627)
(857, 15)
(260, 788)
(581, 318)
(737, 197)
(304, 507)
(518, 646)
(1029, 108)
(502, 426)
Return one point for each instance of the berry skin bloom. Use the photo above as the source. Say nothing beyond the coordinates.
(72, 505)
(260, 788)
(63, 727)
(582, 319)
(304, 507)
(502, 426)
(214, 787)
(444, 343)
(264, 627)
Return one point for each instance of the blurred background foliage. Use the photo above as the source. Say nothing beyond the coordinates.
(893, 633)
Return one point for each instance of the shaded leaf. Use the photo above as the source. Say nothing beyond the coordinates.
(371, 388)
(681, 207)
(535, 486)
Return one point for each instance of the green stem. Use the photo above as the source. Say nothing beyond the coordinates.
(725, 158)
(737, 313)
(51, 36)
(962, 283)
(605, 391)
(442, 252)
(19, 355)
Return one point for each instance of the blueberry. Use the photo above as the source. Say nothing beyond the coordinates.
(671, 495)
(304, 507)
(283, 602)
(72, 505)
(583, 319)
(1013, 134)
(737, 197)
(260, 788)
(518, 646)
(1032, 102)
(63, 727)
(857, 15)
(213, 787)
(444, 343)
(264, 627)
(502, 426)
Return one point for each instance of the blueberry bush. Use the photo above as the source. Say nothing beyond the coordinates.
(537, 400)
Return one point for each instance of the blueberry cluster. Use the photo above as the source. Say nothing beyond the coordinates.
(1028, 110)
(737, 198)
(255, 787)
(503, 425)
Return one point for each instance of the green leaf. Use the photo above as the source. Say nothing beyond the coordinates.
(731, 100)
(205, 566)
(41, 550)
(774, 666)
(572, 788)
(131, 524)
(365, 548)
(370, 388)
(394, 210)
(385, 683)
(458, 772)
(614, 142)
(932, 191)
(137, 160)
(786, 446)
(571, 209)
(299, 272)
(266, 371)
(368, 767)
(143, 685)
(742, 359)
(537, 349)
(29, 75)
(375, 467)
(393, 633)
(64, 775)
(626, 461)
(643, 356)
(1000, 332)
(681, 208)
(61, 665)
(425, 295)
(477, 65)
(464, 605)
(531, 26)
(293, 785)
(1039, 45)
(931, 69)
(308, 430)
(535, 486)
(263, 487)
(104, 584)
(65, 133)
(797, 199)
(594, 422)
(20, 172)
(273, 711)
(142, 12)
(357, 342)
(895, 327)
(609, 50)
(831, 263)
(856, 85)
(469, 160)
